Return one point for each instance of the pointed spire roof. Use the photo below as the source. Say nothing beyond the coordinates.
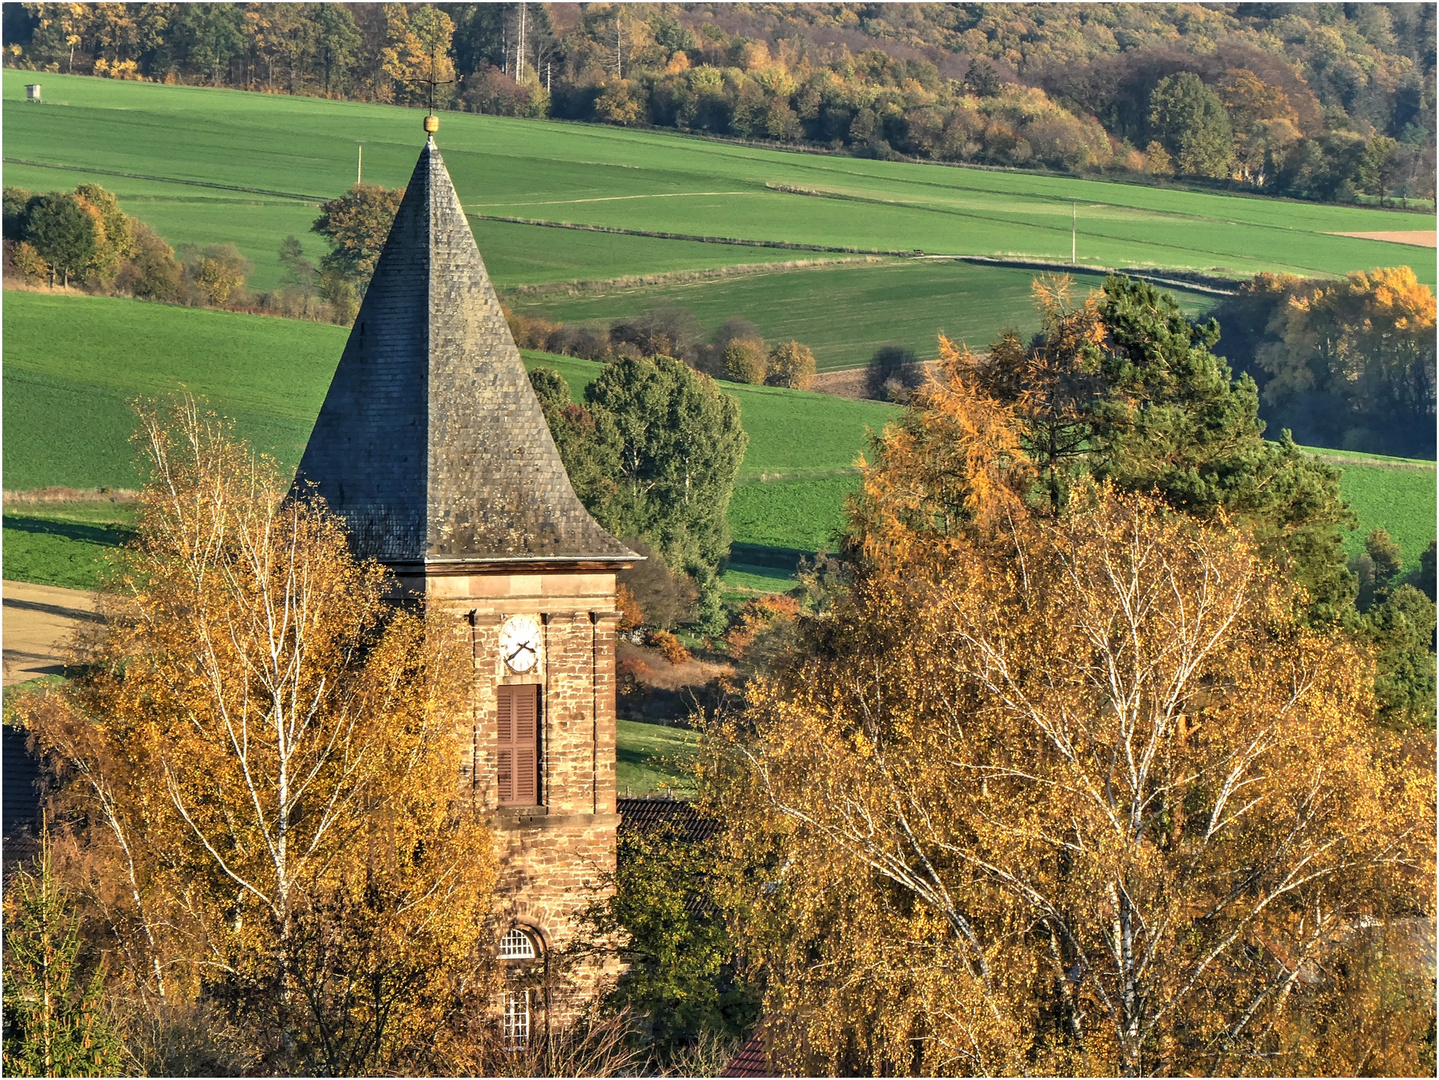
(431, 441)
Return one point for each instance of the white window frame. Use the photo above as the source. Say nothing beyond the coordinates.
(517, 945)
(515, 1026)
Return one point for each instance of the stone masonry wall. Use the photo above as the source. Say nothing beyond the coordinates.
(552, 857)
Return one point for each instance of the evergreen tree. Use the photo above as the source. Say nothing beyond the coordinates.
(1189, 120)
(1401, 630)
(1424, 580)
(54, 1024)
(63, 231)
(681, 448)
(1172, 419)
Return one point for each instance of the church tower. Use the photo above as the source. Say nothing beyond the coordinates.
(432, 445)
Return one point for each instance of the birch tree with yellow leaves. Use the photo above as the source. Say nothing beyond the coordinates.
(258, 769)
(1069, 792)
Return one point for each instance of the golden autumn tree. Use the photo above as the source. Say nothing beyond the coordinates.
(954, 459)
(259, 771)
(1051, 382)
(1361, 352)
(1068, 793)
(417, 50)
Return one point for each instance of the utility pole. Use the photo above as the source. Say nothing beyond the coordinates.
(1074, 234)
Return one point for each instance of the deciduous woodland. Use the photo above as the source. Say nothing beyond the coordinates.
(1067, 789)
(1317, 101)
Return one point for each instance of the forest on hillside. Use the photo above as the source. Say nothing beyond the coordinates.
(1334, 102)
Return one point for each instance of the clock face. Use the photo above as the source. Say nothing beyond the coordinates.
(520, 643)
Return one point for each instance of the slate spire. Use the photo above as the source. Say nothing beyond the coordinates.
(431, 442)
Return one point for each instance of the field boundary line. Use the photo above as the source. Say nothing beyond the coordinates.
(1178, 279)
(844, 196)
(316, 199)
(785, 245)
(1345, 462)
(674, 277)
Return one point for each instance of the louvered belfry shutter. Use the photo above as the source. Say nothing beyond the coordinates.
(518, 753)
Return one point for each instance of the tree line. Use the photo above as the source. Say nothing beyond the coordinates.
(83, 239)
(1311, 101)
(736, 350)
(1347, 363)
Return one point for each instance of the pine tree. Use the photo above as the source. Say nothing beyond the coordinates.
(54, 1025)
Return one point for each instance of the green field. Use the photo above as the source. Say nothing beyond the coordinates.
(217, 165)
(64, 544)
(908, 302)
(1397, 493)
(67, 422)
(650, 758)
(73, 364)
(68, 419)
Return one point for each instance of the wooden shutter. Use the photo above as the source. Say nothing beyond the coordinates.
(518, 752)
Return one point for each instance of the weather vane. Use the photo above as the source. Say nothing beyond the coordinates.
(432, 122)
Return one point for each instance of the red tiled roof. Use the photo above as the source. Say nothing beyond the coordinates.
(750, 1061)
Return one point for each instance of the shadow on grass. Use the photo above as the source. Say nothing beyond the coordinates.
(627, 756)
(103, 535)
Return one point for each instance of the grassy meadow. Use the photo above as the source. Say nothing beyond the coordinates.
(206, 166)
(1396, 493)
(649, 758)
(276, 149)
(68, 419)
(907, 302)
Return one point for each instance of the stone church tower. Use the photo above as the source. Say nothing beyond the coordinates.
(433, 446)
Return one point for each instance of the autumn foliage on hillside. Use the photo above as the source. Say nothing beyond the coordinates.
(1069, 790)
(1322, 101)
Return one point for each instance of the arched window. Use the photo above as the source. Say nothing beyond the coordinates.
(517, 945)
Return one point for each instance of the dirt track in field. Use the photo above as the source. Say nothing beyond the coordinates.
(1417, 237)
(38, 621)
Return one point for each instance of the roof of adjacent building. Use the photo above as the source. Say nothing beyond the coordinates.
(670, 818)
(431, 441)
(750, 1061)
